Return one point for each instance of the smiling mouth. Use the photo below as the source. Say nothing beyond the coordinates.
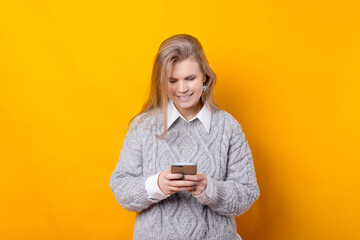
(185, 97)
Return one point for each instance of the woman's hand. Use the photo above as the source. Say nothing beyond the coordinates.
(172, 183)
(200, 181)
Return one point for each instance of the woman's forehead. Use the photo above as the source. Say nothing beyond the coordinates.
(185, 68)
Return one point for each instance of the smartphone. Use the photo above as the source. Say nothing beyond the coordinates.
(184, 168)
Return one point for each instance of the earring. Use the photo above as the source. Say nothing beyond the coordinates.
(204, 88)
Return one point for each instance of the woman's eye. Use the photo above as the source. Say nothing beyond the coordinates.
(174, 81)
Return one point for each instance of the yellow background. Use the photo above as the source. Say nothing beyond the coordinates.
(73, 73)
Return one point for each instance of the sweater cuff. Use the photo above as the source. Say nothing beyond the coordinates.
(152, 188)
(208, 193)
(216, 201)
(137, 199)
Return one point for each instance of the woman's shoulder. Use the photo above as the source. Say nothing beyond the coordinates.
(227, 118)
(144, 120)
(227, 122)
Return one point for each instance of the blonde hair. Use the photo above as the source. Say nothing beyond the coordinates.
(173, 49)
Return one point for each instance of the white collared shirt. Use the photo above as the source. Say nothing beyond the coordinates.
(151, 184)
(204, 116)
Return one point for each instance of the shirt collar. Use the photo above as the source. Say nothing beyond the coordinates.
(204, 115)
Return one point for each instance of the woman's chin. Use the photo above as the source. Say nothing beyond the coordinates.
(183, 105)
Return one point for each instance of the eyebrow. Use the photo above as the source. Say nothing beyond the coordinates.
(192, 75)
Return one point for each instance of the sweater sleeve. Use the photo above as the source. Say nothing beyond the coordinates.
(152, 188)
(127, 181)
(239, 190)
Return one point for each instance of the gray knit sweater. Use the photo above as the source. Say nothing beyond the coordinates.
(223, 155)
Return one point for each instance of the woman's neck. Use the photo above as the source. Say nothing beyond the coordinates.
(190, 113)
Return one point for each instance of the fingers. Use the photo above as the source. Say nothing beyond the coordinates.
(182, 183)
(172, 176)
(172, 183)
(175, 176)
(197, 178)
(197, 191)
(170, 189)
(180, 189)
(201, 183)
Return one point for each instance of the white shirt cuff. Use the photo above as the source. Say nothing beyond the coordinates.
(208, 193)
(152, 188)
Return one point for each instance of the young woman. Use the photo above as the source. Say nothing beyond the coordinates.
(181, 123)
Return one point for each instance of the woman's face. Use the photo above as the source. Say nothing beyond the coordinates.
(185, 86)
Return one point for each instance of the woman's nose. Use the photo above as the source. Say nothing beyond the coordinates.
(182, 87)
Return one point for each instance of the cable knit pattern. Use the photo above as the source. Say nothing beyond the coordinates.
(223, 155)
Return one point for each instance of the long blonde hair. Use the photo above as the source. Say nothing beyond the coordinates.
(173, 49)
